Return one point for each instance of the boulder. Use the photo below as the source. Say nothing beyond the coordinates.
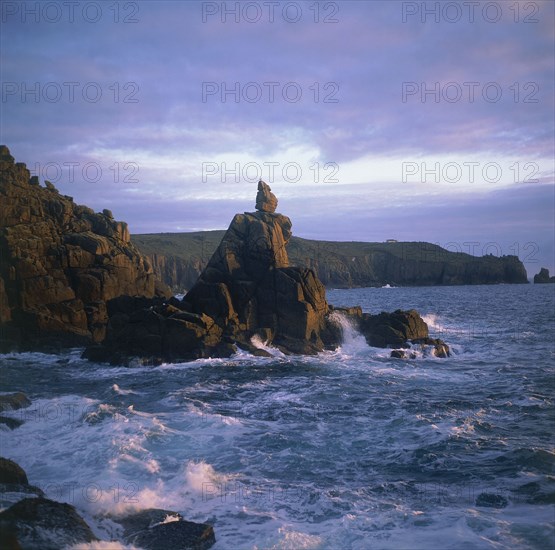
(14, 401)
(266, 201)
(156, 529)
(43, 524)
(12, 473)
(60, 263)
(392, 329)
(543, 277)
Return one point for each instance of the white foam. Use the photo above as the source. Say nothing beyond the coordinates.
(257, 342)
(353, 343)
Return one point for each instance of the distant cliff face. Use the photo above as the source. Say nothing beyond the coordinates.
(60, 262)
(543, 277)
(179, 258)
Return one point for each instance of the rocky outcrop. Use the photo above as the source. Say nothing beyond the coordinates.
(249, 288)
(403, 329)
(543, 277)
(61, 262)
(34, 522)
(156, 331)
(179, 258)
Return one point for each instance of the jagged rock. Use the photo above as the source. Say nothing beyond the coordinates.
(248, 286)
(543, 277)
(155, 331)
(156, 529)
(266, 201)
(60, 263)
(43, 524)
(247, 289)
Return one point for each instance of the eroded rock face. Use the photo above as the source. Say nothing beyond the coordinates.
(61, 262)
(266, 201)
(249, 288)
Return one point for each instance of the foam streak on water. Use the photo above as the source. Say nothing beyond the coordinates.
(346, 450)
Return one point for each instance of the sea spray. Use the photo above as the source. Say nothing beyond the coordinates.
(353, 342)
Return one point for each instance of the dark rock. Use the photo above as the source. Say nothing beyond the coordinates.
(543, 277)
(14, 401)
(145, 519)
(11, 423)
(42, 524)
(491, 500)
(60, 261)
(14, 485)
(398, 354)
(248, 286)
(266, 201)
(12, 473)
(150, 530)
(393, 329)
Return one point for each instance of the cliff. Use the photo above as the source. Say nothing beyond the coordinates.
(61, 263)
(179, 258)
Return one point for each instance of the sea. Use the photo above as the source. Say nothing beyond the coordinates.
(349, 449)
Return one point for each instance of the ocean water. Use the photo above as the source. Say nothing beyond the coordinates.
(346, 450)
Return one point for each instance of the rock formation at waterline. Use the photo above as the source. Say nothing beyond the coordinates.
(31, 521)
(248, 289)
(60, 263)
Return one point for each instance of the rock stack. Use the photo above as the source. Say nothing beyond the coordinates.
(543, 277)
(60, 263)
(248, 287)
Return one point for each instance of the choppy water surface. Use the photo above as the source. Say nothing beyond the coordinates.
(349, 449)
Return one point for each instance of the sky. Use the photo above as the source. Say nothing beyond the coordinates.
(370, 120)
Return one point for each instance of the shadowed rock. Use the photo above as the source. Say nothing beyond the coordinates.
(60, 263)
(156, 529)
(39, 523)
(543, 277)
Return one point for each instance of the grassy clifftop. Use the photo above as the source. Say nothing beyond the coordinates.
(178, 258)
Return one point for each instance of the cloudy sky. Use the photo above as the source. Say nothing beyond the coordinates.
(424, 121)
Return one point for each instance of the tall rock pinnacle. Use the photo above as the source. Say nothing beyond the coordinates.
(266, 201)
